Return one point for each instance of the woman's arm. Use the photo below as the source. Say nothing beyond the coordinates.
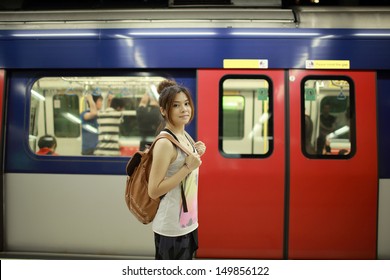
(144, 100)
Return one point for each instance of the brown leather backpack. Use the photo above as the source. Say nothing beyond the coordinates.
(143, 207)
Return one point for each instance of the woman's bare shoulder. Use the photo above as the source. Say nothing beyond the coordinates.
(164, 149)
(164, 144)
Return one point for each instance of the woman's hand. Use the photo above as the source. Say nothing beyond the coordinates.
(193, 161)
(200, 148)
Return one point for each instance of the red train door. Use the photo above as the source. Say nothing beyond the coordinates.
(241, 193)
(266, 189)
(333, 197)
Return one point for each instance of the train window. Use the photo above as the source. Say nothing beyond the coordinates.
(246, 128)
(65, 110)
(328, 129)
(58, 106)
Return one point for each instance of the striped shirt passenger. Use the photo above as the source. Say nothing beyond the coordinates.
(109, 122)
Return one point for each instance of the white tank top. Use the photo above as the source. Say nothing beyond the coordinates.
(170, 219)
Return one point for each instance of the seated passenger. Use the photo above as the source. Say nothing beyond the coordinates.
(327, 125)
(47, 145)
(343, 152)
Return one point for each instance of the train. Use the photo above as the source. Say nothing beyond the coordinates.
(272, 184)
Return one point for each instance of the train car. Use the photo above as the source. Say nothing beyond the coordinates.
(292, 105)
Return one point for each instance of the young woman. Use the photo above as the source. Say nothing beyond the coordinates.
(175, 229)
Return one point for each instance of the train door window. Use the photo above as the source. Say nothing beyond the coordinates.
(58, 105)
(245, 128)
(328, 126)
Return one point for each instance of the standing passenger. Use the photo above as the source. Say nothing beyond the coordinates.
(109, 121)
(149, 116)
(176, 230)
(89, 127)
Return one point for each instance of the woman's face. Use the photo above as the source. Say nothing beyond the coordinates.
(180, 113)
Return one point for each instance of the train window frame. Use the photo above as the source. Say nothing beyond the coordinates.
(33, 116)
(352, 116)
(270, 125)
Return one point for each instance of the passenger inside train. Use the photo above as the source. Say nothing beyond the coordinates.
(109, 121)
(47, 145)
(89, 127)
(327, 123)
(148, 113)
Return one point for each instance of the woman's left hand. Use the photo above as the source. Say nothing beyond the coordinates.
(200, 147)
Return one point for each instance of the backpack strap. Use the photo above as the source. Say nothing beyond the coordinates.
(189, 138)
(172, 137)
(183, 198)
